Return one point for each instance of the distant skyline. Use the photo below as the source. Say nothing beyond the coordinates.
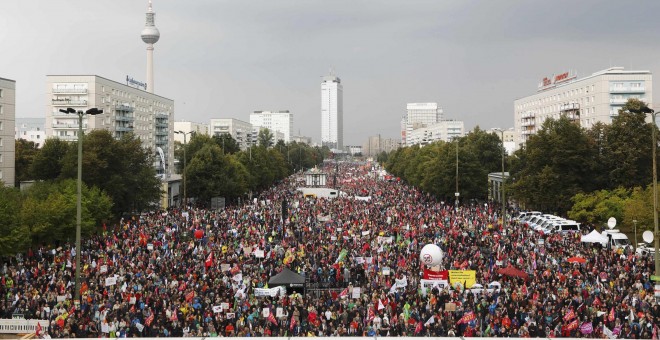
(226, 59)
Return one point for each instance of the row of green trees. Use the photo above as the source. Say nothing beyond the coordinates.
(215, 166)
(119, 177)
(432, 167)
(587, 174)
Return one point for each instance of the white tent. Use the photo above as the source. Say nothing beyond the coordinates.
(594, 237)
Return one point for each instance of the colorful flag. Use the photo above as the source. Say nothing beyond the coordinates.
(293, 323)
(38, 331)
(344, 293)
(342, 255)
(190, 296)
(573, 325)
(467, 317)
(149, 320)
(380, 305)
(418, 328)
(611, 316)
(272, 319)
(570, 315)
(209, 260)
(431, 320)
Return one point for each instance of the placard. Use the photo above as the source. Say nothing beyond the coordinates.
(103, 269)
(259, 253)
(105, 328)
(139, 326)
(356, 292)
(217, 309)
(150, 246)
(225, 305)
(61, 298)
(265, 312)
(279, 312)
(110, 281)
(450, 307)
(225, 267)
(386, 271)
(231, 315)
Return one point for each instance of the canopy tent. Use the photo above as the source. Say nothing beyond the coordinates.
(594, 237)
(288, 279)
(513, 272)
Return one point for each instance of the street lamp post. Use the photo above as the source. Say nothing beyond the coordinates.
(503, 187)
(91, 112)
(185, 160)
(635, 243)
(656, 240)
(456, 193)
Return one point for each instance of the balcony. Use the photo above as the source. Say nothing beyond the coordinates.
(65, 102)
(162, 133)
(124, 119)
(123, 128)
(70, 91)
(528, 123)
(627, 89)
(68, 125)
(68, 138)
(123, 107)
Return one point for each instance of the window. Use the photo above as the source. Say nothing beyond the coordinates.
(0, 93)
(1, 126)
(0, 174)
(0, 158)
(0, 141)
(635, 85)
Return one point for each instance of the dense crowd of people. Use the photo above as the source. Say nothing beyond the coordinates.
(196, 272)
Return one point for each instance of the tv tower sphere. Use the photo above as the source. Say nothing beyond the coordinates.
(150, 33)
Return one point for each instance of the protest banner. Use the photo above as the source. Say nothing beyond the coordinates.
(464, 277)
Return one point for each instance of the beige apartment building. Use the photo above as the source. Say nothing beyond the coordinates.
(7, 123)
(587, 101)
(125, 109)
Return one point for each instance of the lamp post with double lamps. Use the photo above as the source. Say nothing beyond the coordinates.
(185, 160)
(90, 112)
(656, 240)
(503, 187)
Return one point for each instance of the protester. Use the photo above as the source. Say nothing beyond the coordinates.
(195, 272)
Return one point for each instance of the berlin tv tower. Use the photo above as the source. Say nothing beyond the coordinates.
(150, 36)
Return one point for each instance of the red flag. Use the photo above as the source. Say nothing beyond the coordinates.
(573, 325)
(570, 315)
(611, 317)
(418, 328)
(209, 260)
(370, 314)
(272, 319)
(344, 293)
(38, 331)
(190, 296)
(467, 317)
(524, 289)
(293, 323)
(597, 302)
(149, 320)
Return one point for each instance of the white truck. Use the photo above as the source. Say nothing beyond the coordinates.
(615, 239)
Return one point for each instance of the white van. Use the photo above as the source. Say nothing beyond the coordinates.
(566, 226)
(615, 239)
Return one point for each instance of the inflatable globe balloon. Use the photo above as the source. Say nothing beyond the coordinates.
(431, 255)
(199, 234)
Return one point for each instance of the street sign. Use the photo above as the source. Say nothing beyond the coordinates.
(655, 278)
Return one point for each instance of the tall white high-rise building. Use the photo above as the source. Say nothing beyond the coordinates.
(150, 36)
(332, 112)
(7, 122)
(125, 109)
(189, 128)
(276, 121)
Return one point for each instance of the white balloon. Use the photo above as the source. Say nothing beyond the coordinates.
(431, 255)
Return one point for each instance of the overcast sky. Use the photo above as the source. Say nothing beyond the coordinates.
(220, 59)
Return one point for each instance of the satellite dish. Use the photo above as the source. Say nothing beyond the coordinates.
(611, 223)
(647, 236)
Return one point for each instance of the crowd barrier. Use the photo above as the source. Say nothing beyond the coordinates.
(21, 326)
